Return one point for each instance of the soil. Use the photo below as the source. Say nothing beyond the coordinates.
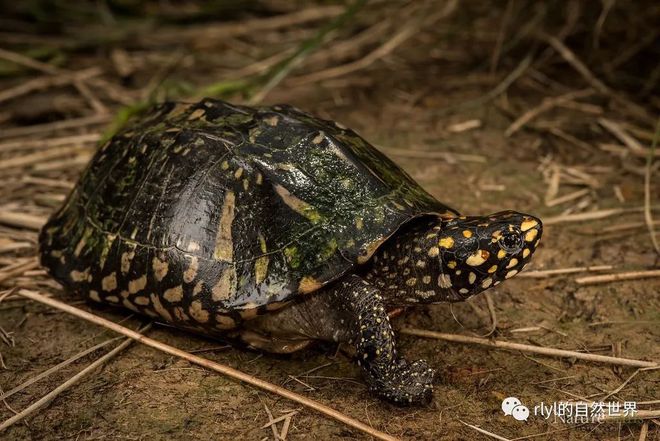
(407, 101)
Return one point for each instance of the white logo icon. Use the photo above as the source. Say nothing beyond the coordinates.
(514, 407)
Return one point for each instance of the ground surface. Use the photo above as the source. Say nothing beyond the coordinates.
(412, 103)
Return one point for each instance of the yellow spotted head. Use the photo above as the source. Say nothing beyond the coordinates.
(479, 252)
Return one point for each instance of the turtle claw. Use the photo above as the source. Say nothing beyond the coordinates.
(405, 383)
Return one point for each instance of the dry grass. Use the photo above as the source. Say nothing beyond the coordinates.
(540, 107)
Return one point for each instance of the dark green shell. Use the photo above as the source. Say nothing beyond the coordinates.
(205, 213)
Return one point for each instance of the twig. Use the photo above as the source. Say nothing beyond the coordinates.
(527, 348)
(33, 158)
(217, 367)
(271, 423)
(224, 30)
(49, 142)
(648, 217)
(278, 419)
(591, 215)
(285, 427)
(18, 270)
(502, 87)
(34, 129)
(495, 58)
(541, 274)
(282, 69)
(91, 98)
(29, 62)
(69, 383)
(616, 130)
(56, 368)
(49, 81)
(546, 104)
(422, 154)
(624, 322)
(485, 432)
(572, 59)
(606, 278)
(22, 220)
(386, 48)
(567, 197)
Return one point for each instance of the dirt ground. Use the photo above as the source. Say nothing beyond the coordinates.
(436, 85)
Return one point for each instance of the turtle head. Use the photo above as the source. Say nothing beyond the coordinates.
(479, 252)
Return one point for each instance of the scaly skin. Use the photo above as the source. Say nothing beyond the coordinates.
(427, 262)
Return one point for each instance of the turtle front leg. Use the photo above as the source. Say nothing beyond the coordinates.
(370, 331)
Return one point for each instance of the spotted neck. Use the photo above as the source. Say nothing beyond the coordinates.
(408, 267)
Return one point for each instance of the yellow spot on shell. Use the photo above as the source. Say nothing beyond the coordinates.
(158, 307)
(426, 279)
(109, 283)
(198, 312)
(224, 322)
(477, 258)
(272, 120)
(511, 274)
(260, 269)
(492, 269)
(94, 295)
(107, 244)
(197, 114)
(260, 179)
(127, 304)
(446, 242)
(82, 243)
(112, 299)
(137, 285)
(308, 284)
(141, 300)
(526, 225)
(472, 277)
(411, 282)
(299, 206)
(486, 283)
(451, 264)
(173, 295)
(513, 262)
(126, 258)
(238, 173)
(180, 314)
(79, 276)
(526, 252)
(224, 245)
(226, 286)
(359, 223)
(190, 274)
(274, 306)
(160, 268)
(531, 235)
(434, 251)
(249, 311)
(501, 254)
(467, 233)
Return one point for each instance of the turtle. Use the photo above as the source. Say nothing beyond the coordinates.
(274, 228)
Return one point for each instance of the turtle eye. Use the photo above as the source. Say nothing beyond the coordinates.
(511, 241)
